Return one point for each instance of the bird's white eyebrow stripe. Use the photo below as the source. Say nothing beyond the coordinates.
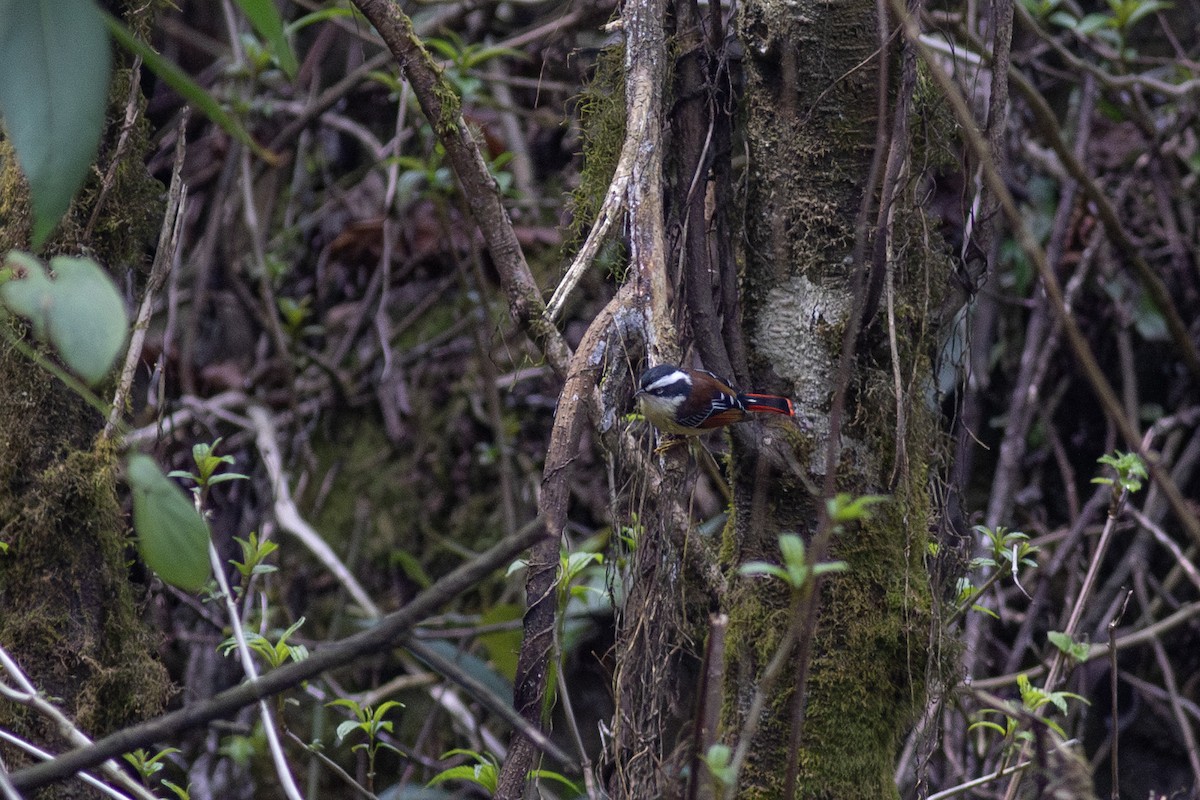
(668, 380)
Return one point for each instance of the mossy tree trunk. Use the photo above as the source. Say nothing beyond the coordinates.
(812, 77)
(68, 613)
(810, 111)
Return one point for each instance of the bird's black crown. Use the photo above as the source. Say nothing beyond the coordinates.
(665, 381)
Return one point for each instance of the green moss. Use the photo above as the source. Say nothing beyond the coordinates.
(601, 110)
(935, 137)
(66, 561)
(446, 125)
(16, 218)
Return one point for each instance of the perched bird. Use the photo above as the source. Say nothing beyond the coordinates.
(690, 402)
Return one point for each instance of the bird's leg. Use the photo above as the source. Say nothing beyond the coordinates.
(668, 441)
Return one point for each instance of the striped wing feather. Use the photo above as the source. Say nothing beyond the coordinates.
(724, 410)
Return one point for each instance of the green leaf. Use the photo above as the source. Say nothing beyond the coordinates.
(180, 792)
(53, 90)
(1078, 651)
(28, 292)
(718, 759)
(791, 547)
(264, 16)
(484, 772)
(764, 568)
(1140, 10)
(829, 566)
(346, 728)
(988, 725)
(172, 536)
(385, 707)
(321, 15)
(1092, 23)
(575, 563)
(474, 58)
(546, 774)
(485, 775)
(1063, 19)
(847, 508)
(502, 646)
(346, 702)
(227, 476)
(79, 312)
(412, 568)
(471, 665)
(88, 324)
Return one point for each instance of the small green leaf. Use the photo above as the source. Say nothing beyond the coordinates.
(1062, 19)
(28, 292)
(412, 568)
(1078, 651)
(482, 774)
(53, 89)
(1092, 23)
(764, 568)
(79, 312)
(844, 507)
(172, 536)
(574, 563)
(791, 547)
(180, 792)
(346, 728)
(227, 476)
(546, 774)
(88, 324)
(829, 566)
(322, 15)
(502, 646)
(988, 725)
(1139, 10)
(718, 760)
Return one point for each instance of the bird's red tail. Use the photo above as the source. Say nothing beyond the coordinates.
(769, 402)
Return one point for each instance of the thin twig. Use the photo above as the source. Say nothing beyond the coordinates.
(37, 752)
(133, 109)
(164, 257)
(1172, 688)
(27, 695)
(1114, 728)
(278, 757)
(333, 767)
(708, 702)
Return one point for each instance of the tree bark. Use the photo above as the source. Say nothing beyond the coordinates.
(812, 83)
